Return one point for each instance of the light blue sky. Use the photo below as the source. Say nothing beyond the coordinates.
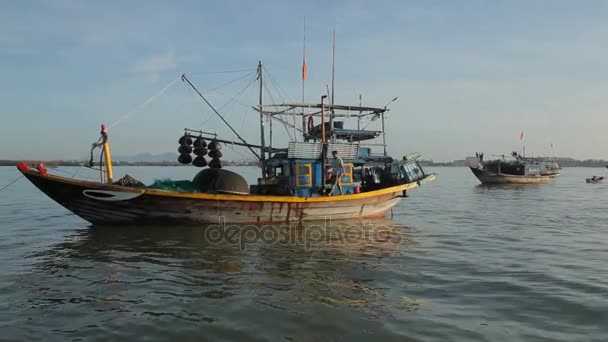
(470, 75)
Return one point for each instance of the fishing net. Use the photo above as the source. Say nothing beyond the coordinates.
(173, 185)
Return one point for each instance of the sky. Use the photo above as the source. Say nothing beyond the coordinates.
(470, 75)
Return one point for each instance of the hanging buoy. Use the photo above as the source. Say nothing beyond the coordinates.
(200, 151)
(184, 159)
(199, 161)
(214, 145)
(200, 142)
(185, 140)
(184, 149)
(215, 154)
(215, 163)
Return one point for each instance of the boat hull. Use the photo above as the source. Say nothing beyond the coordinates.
(104, 204)
(486, 177)
(551, 172)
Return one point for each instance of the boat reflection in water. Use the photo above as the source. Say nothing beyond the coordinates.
(128, 275)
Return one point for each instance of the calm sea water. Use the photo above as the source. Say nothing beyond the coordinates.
(458, 261)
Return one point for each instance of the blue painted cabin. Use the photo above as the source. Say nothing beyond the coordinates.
(307, 178)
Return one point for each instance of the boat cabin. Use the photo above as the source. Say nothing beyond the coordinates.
(303, 172)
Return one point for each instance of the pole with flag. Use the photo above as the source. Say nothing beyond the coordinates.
(304, 72)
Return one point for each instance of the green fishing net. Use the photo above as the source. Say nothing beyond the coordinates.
(173, 185)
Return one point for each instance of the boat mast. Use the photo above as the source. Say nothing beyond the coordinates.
(262, 141)
(324, 148)
(383, 130)
(323, 119)
(333, 87)
(359, 117)
(383, 136)
(304, 72)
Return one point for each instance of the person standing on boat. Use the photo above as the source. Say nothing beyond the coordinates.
(337, 170)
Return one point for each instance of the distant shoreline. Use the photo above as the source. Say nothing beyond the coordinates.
(563, 162)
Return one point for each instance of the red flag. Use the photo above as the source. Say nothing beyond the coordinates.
(304, 70)
(521, 136)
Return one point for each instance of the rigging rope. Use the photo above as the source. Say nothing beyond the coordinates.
(184, 78)
(229, 82)
(223, 85)
(277, 85)
(270, 117)
(145, 103)
(221, 72)
(233, 99)
(12, 182)
(278, 88)
(370, 121)
(233, 148)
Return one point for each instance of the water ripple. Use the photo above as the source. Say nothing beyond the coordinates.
(458, 261)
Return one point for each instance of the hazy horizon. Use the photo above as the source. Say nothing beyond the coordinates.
(470, 75)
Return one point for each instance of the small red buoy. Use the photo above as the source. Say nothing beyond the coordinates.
(23, 167)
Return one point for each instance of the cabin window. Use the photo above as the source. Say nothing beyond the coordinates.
(303, 175)
(347, 177)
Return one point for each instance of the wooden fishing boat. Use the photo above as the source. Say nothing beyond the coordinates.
(115, 204)
(552, 171)
(487, 177)
(503, 171)
(294, 185)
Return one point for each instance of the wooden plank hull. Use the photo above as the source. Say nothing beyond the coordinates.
(486, 177)
(112, 204)
(552, 172)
